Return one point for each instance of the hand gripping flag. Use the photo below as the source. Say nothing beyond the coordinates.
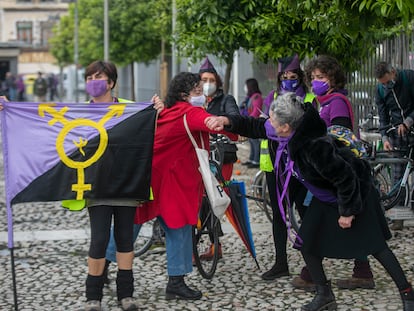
(57, 151)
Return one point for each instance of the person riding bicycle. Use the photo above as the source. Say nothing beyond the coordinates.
(395, 101)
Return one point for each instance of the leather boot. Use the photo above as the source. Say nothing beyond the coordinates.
(177, 289)
(277, 271)
(361, 278)
(407, 297)
(324, 299)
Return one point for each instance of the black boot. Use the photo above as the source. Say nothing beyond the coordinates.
(407, 297)
(124, 284)
(125, 289)
(177, 289)
(94, 286)
(277, 271)
(324, 299)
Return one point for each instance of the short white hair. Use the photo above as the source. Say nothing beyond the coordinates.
(288, 109)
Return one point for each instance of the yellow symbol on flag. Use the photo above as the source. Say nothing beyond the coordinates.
(59, 116)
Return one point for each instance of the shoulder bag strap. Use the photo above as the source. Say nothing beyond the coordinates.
(191, 136)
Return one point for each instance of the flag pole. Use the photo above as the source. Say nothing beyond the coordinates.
(14, 279)
(11, 248)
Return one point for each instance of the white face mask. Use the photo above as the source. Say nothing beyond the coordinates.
(198, 101)
(245, 89)
(209, 89)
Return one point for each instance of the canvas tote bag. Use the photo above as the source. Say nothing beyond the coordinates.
(219, 200)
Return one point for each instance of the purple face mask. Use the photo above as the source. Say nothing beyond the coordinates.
(290, 85)
(96, 88)
(319, 88)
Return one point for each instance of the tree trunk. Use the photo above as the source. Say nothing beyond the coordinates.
(226, 82)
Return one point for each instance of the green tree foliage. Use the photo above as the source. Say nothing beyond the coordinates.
(346, 29)
(136, 30)
(218, 27)
(61, 44)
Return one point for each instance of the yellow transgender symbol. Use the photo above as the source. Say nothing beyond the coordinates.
(59, 116)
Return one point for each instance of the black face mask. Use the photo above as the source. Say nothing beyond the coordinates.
(389, 85)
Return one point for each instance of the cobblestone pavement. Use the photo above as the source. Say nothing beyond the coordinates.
(50, 258)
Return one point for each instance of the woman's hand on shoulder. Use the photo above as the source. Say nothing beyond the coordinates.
(158, 103)
(216, 123)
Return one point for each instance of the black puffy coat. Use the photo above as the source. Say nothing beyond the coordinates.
(223, 105)
(327, 164)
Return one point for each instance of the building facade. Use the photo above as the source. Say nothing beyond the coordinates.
(26, 26)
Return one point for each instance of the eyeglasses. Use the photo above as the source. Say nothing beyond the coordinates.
(289, 76)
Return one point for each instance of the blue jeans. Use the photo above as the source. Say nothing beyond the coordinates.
(254, 150)
(179, 248)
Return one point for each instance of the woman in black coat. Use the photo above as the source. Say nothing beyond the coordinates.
(344, 218)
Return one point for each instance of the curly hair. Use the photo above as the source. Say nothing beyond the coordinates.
(180, 87)
(330, 67)
(101, 66)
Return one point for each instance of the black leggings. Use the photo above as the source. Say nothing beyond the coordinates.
(278, 225)
(386, 258)
(297, 194)
(101, 219)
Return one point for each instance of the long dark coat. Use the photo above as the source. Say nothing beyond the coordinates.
(327, 164)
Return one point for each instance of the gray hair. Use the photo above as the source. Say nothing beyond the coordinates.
(288, 109)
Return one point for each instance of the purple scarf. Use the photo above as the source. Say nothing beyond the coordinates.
(283, 177)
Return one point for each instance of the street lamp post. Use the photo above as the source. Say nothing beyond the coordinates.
(76, 51)
(106, 31)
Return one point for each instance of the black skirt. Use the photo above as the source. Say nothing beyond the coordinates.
(322, 236)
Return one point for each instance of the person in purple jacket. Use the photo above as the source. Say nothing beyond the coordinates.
(328, 84)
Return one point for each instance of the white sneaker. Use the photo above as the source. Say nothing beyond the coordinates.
(129, 304)
(93, 305)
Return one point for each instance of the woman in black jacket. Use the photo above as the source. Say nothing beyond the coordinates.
(344, 218)
(218, 103)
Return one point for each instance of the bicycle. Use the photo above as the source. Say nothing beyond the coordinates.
(151, 237)
(206, 232)
(397, 196)
(260, 194)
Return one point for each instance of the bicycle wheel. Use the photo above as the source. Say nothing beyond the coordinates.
(260, 191)
(205, 235)
(144, 239)
(390, 195)
(294, 217)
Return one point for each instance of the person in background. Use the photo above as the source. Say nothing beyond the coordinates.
(328, 84)
(218, 103)
(395, 101)
(21, 89)
(101, 77)
(9, 86)
(290, 78)
(344, 218)
(40, 88)
(176, 182)
(252, 106)
(52, 83)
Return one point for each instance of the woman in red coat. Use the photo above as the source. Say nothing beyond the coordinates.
(176, 181)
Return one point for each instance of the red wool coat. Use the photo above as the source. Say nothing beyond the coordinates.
(176, 181)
